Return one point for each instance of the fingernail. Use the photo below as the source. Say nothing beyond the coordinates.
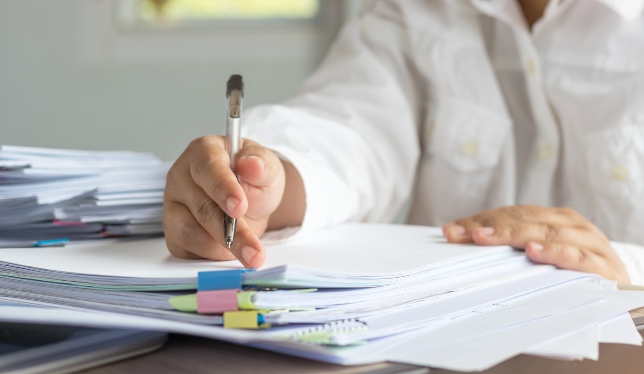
(456, 230)
(486, 231)
(261, 160)
(536, 247)
(248, 253)
(231, 203)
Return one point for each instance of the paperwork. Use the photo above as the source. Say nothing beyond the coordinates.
(51, 197)
(348, 295)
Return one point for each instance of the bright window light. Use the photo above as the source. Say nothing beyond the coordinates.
(151, 11)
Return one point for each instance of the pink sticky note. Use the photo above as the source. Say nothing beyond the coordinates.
(219, 301)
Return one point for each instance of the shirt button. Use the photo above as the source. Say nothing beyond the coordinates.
(469, 148)
(620, 172)
(544, 152)
(530, 66)
(430, 129)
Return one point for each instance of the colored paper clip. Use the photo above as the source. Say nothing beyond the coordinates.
(245, 299)
(184, 303)
(245, 320)
(219, 301)
(51, 243)
(221, 279)
(211, 302)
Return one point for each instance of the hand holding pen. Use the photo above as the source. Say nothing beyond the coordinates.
(235, 94)
(202, 188)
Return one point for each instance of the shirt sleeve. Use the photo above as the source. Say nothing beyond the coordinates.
(632, 256)
(352, 131)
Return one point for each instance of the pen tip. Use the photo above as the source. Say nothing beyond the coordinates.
(229, 243)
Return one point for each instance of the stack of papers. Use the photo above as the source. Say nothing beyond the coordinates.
(49, 197)
(353, 294)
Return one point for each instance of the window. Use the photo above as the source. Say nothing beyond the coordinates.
(221, 30)
(185, 11)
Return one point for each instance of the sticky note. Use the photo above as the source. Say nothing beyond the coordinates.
(245, 300)
(246, 319)
(221, 279)
(219, 301)
(51, 243)
(184, 303)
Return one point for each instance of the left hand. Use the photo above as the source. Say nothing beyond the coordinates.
(556, 236)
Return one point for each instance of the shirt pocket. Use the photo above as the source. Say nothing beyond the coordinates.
(468, 137)
(461, 166)
(615, 159)
(615, 165)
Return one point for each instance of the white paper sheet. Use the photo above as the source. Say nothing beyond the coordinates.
(619, 329)
(578, 345)
(484, 352)
(583, 343)
(355, 248)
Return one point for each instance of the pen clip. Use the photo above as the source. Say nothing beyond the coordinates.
(235, 93)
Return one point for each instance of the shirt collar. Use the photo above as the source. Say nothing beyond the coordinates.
(627, 9)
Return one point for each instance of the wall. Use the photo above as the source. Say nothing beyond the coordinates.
(52, 95)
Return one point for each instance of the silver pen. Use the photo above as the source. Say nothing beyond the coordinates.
(234, 94)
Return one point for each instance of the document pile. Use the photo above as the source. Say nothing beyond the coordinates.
(49, 197)
(354, 294)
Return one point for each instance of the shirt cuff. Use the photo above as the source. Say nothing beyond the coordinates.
(632, 256)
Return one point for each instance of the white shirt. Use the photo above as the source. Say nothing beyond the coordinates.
(458, 106)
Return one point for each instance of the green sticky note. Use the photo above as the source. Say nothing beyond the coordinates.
(184, 303)
(245, 299)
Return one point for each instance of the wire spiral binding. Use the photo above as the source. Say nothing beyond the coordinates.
(323, 334)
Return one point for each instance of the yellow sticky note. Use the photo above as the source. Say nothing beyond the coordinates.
(241, 320)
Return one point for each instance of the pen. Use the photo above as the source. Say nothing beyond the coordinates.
(234, 94)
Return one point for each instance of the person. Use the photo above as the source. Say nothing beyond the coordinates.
(508, 122)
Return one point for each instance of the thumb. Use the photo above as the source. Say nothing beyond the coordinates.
(262, 176)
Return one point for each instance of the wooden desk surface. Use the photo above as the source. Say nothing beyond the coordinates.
(197, 355)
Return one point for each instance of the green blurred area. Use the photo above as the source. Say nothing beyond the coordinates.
(179, 10)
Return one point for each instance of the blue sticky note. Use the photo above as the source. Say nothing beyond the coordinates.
(221, 279)
(51, 243)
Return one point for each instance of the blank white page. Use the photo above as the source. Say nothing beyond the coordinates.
(352, 248)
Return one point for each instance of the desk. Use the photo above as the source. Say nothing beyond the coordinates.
(198, 355)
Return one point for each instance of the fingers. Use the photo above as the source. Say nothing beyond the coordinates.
(461, 230)
(528, 213)
(466, 230)
(564, 256)
(558, 236)
(210, 216)
(571, 257)
(181, 226)
(262, 177)
(520, 234)
(201, 186)
(186, 238)
(209, 167)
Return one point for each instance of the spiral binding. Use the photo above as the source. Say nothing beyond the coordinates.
(324, 334)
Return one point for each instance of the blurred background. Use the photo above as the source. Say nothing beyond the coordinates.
(149, 75)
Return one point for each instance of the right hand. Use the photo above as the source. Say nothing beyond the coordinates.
(201, 184)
